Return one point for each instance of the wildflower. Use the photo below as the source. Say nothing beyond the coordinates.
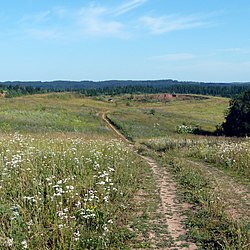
(77, 235)
(9, 242)
(24, 244)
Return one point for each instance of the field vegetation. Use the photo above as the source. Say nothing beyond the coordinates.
(213, 172)
(65, 183)
(68, 182)
(65, 193)
(154, 119)
(50, 113)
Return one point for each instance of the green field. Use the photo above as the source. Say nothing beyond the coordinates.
(68, 182)
(147, 120)
(52, 113)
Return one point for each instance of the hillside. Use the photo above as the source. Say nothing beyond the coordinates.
(70, 180)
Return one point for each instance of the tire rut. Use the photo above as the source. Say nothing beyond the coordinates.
(171, 208)
(235, 196)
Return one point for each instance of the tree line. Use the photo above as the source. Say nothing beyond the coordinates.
(114, 87)
(14, 91)
(224, 91)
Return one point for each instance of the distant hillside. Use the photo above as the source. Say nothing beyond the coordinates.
(114, 87)
(75, 85)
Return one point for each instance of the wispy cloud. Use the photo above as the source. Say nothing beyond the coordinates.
(128, 6)
(42, 34)
(95, 21)
(230, 50)
(174, 57)
(165, 24)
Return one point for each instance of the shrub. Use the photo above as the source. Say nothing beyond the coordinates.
(186, 129)
(237, 121)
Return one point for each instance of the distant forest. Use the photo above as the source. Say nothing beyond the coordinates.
(115, 87)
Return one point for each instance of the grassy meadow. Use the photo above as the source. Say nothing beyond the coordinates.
(68, 182)
(146, 120)
(213, 172)
(65, 193)
(65, 182)
(52, 113)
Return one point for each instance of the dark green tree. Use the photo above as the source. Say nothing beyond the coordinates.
(237, 121)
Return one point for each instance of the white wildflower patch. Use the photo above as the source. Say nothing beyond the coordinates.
(63, 188)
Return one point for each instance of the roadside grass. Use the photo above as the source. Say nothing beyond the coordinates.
(233, 156)
(66, 193)
(210, 223)
(148, 223)
(229, 155)
(65, 184)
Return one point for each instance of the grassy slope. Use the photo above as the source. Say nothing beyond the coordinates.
(61, 113)
(64, 183)
(69, 116)
(214, 223)
(138, 122)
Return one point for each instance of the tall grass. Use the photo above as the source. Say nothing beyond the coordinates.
(229, 154)
(48, 113)
(209, 223)
(155, 120)
(65, 193)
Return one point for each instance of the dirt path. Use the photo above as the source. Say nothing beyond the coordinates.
(170, 208)
(120, 135)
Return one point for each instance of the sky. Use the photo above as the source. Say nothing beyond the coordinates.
(193, 40)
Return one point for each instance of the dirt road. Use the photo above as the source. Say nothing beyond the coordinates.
(170, 208)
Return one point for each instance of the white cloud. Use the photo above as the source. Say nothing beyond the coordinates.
(165, 24)
(95, 21)
(90, 20)
(174, 57)
(128, 6)
(241, 51)
(230, 50)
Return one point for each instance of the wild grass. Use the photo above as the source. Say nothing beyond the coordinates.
(232, 155)
(65, 193)
(60, 189)
(60, 112)
(155, 120)
(209, 223)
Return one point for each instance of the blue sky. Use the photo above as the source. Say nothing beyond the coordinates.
(201, 40)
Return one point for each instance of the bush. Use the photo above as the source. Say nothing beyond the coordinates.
(237, 121)
(186, 129)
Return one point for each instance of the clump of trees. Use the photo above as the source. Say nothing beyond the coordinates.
(14, 91)
(237, 120)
